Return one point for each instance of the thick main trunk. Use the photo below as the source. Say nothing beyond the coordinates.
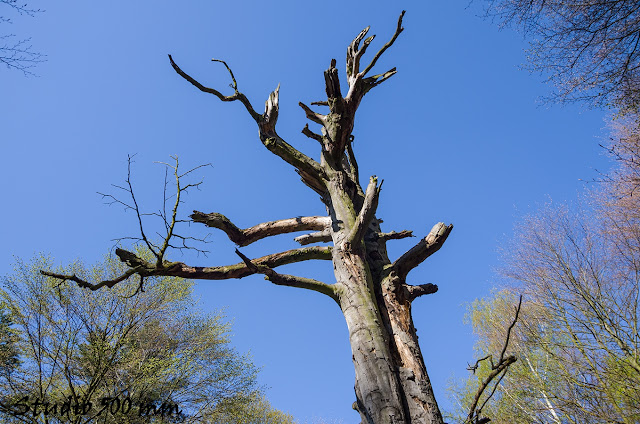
(379, 395)
(392, 385)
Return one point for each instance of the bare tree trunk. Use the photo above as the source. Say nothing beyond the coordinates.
(392, 385)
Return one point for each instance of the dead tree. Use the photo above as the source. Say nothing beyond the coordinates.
(392, 385)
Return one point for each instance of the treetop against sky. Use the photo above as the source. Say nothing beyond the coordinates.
(458, 136)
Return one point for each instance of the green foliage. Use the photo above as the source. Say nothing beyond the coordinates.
(256, 411)
(577, 340)
(140, 357)
(8, 340)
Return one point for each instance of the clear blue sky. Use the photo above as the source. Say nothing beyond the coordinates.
(458, 135)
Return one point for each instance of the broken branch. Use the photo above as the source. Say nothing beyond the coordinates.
(318, 118)
(376, 80)
(395, 235)
(421, 251)
(317, 237)
(289, 280)
(355, 53)
(306, 131)
(367, 212)
(412, 292)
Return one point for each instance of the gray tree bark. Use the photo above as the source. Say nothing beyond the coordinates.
(392, 385)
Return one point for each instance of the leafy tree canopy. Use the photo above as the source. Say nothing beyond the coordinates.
(130, 354)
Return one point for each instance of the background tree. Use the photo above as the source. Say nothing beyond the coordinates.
(589, 49)
(578, 341)
(8, 339)
(392, 385)
(152, 348)
(17, 54)
(577, 268)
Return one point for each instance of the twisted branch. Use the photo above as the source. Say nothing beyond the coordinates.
(244, 237)
(146, 269)
(235, 96)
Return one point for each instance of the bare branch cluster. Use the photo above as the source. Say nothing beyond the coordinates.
(20, 8)
(337, 154)
(578, 335)
(19, 54)
(624, 148)
(589, 48)
(336, 139)
(16, 53)
(168, 217)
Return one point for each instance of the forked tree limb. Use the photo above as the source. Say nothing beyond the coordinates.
(178, 269)
(266, 125)
(339, 123)
(358, 84)
(289, 280)
(235, 96)
(500, 371)
(421, 251)
(244, 237)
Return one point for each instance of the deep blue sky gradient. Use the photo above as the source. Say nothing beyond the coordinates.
(458, 135)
